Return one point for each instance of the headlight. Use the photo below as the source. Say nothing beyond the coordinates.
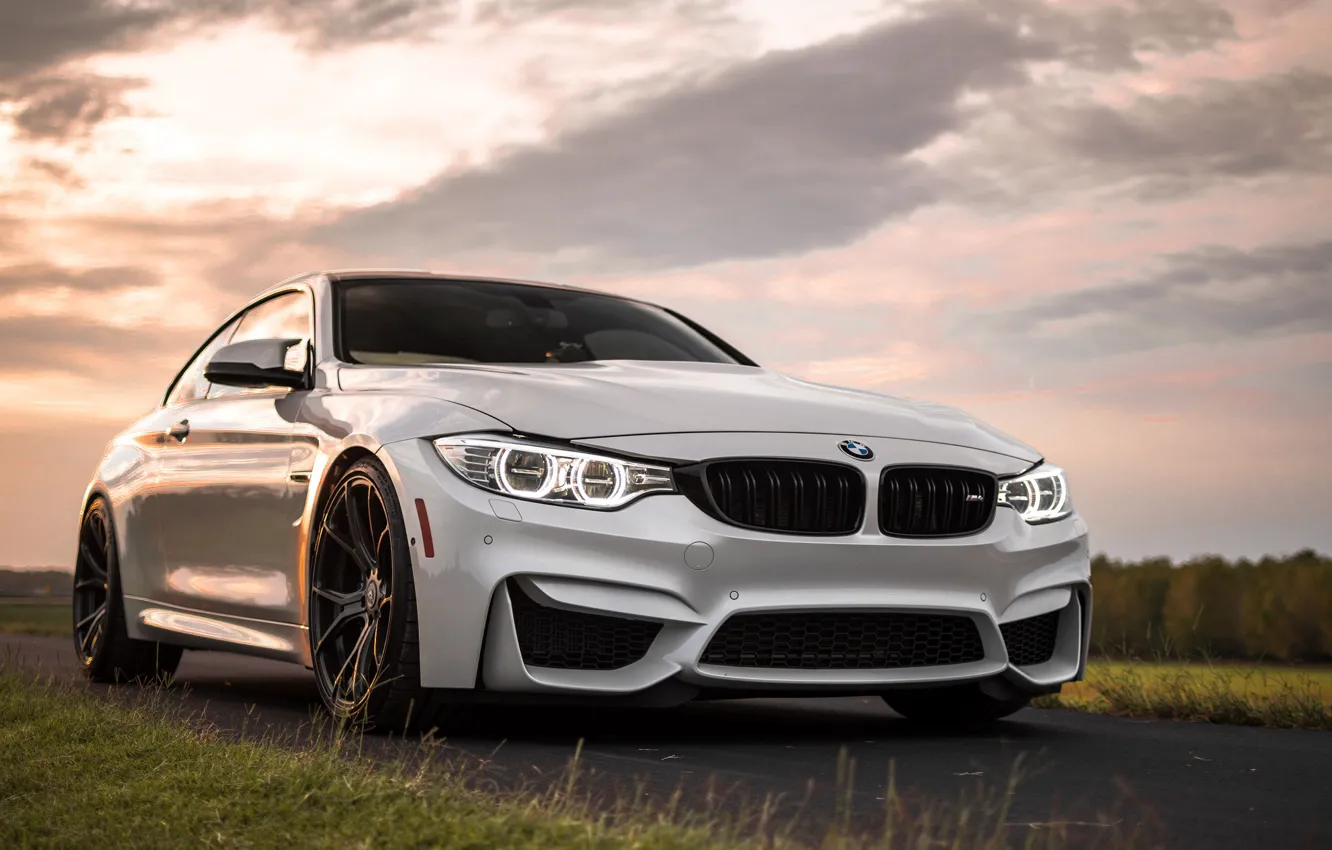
(1039, 496)
(524, 470)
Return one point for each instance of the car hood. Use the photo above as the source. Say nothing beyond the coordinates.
(576, 401)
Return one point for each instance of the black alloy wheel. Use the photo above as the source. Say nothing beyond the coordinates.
(105, 651)
(362, 610)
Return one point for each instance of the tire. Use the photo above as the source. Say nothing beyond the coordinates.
(105, 651)
(365, 643)
(957, 706)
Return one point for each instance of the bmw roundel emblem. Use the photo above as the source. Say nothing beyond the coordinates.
(856, 449)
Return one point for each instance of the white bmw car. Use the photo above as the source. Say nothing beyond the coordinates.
(435, 490)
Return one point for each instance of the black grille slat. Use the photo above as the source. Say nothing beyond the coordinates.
(573, 640)
(1031, 641)
(935, 501)
(801, 497)
(844, 641)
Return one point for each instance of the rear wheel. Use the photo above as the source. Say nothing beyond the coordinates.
(105, 651)
(363, 622)
(955, 705)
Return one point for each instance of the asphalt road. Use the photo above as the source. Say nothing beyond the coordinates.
(1188, 784)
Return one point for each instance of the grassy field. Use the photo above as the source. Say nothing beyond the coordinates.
(35, 617)
(1240, 693)
(76, 770)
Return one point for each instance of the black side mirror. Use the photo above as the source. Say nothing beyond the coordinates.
(259, 363)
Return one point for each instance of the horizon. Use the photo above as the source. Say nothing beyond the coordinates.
(1098, 225)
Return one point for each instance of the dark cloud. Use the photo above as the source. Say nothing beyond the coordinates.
(1210, 295)
(39, 34)
(65, 108)
(790, 152)
(46, 276)
(1112, 36)
(1281, 123)
(57, 172)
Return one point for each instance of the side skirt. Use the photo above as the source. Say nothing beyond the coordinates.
(194, 629)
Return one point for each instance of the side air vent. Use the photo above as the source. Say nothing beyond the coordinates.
(573, 640)
(792, 496)
(935, 501)
(1031, 641)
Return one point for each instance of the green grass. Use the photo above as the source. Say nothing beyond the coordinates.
(81, 770)
(35, 617)
(1236, 693)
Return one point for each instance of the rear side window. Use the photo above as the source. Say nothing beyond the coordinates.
(447, 321)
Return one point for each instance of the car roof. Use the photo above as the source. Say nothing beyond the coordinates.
(425, 274)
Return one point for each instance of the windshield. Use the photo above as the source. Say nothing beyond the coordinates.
(459, 321)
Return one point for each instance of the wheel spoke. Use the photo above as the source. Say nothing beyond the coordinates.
(354, 655)
(340, 540)
(101, 611)
(94, 620)
(338, 598)
(361, 534)
(93, 558)
(365, 658)
(339, 625)
(96, 532)
(86, 583)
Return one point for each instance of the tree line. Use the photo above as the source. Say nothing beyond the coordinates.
(1276, 609)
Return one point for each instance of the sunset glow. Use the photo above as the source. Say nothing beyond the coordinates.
(1101, 226)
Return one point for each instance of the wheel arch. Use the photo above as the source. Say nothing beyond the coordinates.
(332, 473)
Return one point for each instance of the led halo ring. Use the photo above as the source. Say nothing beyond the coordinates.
(484, 460)
(578, 475)
(502, 476)
(1042, 497)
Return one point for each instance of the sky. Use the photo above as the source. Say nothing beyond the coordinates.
(1104, 226)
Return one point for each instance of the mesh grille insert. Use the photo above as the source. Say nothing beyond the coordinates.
(926, 501)
(844, 641)
(573, 640)
(1031, 641)
(803, 497)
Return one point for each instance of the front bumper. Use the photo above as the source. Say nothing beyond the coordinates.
(664, 560)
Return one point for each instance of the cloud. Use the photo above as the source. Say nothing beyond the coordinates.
(1213, 295)
(65, 108)
(1217, 129)
(32, 276)
(37, 35)
(89, 349)
(1115, 36)
(790, 152)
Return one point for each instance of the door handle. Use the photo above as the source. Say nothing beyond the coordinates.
(179, 431)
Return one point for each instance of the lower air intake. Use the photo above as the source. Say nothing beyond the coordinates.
(844, 641)
(573, 640)
(1031, 641)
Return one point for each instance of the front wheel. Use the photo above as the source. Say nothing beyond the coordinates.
(362, 605)
(105, 651)
(955, 705)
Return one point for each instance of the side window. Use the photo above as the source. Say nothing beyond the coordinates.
(191, 384)
(284, 317)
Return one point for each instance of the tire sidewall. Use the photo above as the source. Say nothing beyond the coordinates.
(401, 591)
(101, 666)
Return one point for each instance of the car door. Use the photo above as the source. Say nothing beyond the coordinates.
(228, 523)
